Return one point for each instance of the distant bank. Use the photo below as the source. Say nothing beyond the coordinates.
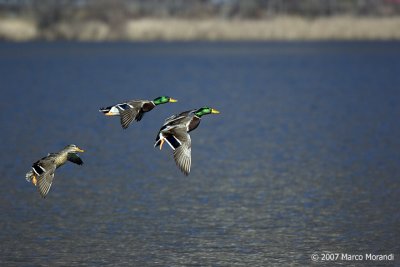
(280, 28)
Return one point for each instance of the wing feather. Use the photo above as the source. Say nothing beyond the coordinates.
(74, 158)
(45, 180)
(182, 153)
(133, 111)
(177, 117)
(183, 159)
(127, 116)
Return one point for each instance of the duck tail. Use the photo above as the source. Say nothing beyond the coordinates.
(32, 177)
(29, 176)
(105, 110)
(110, 111)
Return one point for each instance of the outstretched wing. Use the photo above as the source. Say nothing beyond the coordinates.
(133, 110)
(182, 152)
(127, 116)
(174, 119)
(45, 178)
(74, 158)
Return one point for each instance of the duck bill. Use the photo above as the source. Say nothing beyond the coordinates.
(80, 150)
(173, 100)
(214, 111)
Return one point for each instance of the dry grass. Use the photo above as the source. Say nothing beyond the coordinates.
(18, 29)
(281, 28)
(84, 31)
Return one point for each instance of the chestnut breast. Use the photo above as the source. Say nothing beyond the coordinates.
(194, 123)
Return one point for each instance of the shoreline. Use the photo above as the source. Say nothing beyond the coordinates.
(282, 28)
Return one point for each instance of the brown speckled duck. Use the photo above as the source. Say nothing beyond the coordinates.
(42, 173)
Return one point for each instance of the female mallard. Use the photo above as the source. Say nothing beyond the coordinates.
(134, 109)
(175, 132)
(42, 172)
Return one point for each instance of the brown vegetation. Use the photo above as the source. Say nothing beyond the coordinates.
(98, 20)
(280, 28)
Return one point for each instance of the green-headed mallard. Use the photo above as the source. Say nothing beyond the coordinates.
(134, 109)
(42, 172)
(175, 132)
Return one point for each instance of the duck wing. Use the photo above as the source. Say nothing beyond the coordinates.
(44, 169)
(180, 142)
(129, 114)
(174, 119)
(74, 158)
(182, 154)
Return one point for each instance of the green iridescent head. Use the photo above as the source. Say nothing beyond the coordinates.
(163, 100)
(205, 110)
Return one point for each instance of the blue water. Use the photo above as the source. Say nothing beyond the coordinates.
(304, 157)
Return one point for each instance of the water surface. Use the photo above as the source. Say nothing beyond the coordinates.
(303, 158)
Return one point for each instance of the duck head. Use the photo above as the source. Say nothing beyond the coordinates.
(205, 110)
(164, 99)
(73, 149)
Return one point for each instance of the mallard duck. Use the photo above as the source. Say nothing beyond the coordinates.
(175, 133)
(42, 172)
(134, 109)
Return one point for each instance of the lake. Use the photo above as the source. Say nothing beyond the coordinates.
(304, 157)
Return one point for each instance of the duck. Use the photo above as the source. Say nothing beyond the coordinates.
(42, 173)
(175, 132)
(134, 109)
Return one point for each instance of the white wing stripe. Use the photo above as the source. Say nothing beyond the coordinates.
(43, 169)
